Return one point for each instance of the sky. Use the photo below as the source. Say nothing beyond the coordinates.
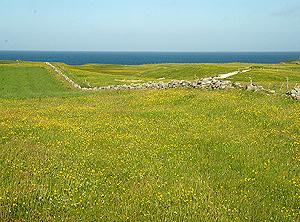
(150, 25)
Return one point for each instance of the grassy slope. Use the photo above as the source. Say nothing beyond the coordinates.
(100, 75)
(29, 80)
(150, 155)
(272, 76)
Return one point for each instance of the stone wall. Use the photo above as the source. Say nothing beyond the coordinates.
(206, 83)
(294, 94)
(66, 78)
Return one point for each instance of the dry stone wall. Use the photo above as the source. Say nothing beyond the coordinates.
(294, 94)
(206, 83)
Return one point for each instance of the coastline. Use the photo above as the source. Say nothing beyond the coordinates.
(145, 58)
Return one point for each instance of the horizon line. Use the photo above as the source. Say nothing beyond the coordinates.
(150, 51)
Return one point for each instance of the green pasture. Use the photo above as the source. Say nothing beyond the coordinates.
(147, 155)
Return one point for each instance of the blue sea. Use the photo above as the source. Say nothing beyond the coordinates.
(136, 58)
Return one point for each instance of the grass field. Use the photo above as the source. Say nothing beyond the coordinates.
(272, 76)
(145, 155)
(102, 75)
(29, 80)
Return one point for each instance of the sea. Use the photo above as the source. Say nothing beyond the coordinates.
(138, 58)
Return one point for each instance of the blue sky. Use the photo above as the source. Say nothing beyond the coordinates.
(150, 25)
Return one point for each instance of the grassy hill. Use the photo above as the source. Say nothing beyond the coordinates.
(270, 76)
(145, 155)
(102, 75)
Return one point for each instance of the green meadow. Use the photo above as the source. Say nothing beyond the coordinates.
(147, 155)
(26, 80)
(277, 77)
(103, 75)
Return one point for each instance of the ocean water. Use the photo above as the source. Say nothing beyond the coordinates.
(137, 58)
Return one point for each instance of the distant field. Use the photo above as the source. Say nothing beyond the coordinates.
(29, 80)
(272, 76)
(102, 75)
(7, 62)
(145, 155)
(32, 75)
(269, 76)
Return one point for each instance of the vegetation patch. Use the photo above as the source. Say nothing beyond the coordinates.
(29, 80)
(144, 155)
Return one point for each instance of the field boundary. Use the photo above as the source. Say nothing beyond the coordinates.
(66, 78)
(217, 82)
(210, 82)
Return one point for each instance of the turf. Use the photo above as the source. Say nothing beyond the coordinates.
(102, 75)
(148, 155)
(8, 62)
(280, 77)
(29, 80)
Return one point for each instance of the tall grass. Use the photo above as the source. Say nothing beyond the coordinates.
(165, 155)
(150, 156)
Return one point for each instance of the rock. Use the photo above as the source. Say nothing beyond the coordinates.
(207, 83)
(294, 93)
(237, 85)
(253, 87)
(260, 88)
